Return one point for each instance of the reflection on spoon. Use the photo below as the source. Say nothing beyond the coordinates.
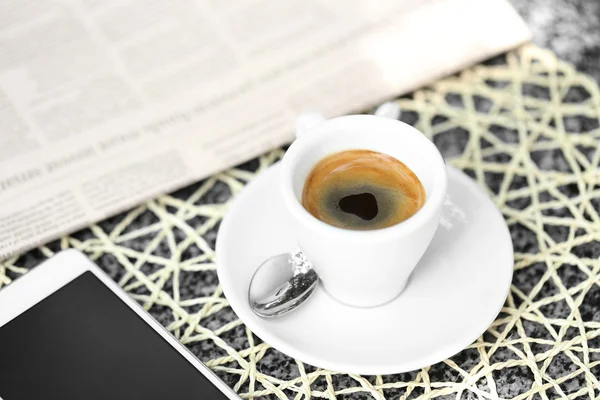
(281, 284)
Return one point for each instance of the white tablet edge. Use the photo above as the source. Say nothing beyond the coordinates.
(61, 269)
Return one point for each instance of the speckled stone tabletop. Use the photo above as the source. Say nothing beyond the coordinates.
(572, 30)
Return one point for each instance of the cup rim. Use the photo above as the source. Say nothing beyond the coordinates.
(434, 200)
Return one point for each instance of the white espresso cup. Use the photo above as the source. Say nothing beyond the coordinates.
(364, 268)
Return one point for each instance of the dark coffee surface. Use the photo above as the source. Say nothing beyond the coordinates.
(363, 205)
(362, 190)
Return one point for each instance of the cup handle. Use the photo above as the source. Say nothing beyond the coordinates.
(389, 109)
(308, 120)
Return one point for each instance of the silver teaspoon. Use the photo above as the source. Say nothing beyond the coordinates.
(281, 284)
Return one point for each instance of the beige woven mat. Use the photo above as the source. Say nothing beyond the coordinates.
(526, 127)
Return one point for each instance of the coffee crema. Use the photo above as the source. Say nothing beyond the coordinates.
(362, 190)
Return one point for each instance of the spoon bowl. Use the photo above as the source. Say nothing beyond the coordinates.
(281, 284)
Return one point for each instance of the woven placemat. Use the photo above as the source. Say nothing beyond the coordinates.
(525, 126)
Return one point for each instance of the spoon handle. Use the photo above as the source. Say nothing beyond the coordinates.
(300, 263)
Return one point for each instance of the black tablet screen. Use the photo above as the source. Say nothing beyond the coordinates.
(83, 342)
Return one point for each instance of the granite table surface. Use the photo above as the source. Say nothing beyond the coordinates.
(570, 28)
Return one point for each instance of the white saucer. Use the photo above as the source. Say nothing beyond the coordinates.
(452, 297)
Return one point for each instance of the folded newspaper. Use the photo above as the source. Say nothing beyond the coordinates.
(106, 104)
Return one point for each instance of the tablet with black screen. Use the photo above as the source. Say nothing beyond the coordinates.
(67, 331)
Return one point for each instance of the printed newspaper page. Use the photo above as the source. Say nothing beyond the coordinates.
(104, 104)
